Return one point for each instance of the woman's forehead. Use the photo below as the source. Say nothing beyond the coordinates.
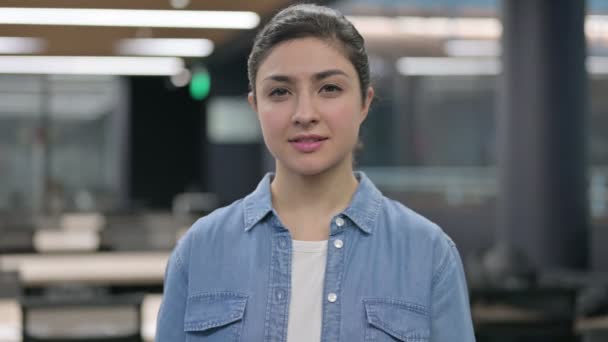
(305, 57)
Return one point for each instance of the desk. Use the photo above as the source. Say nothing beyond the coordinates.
(111, 268)
(62, 323)
(501, 313)
(593, 329)
(533, 314)
(10, 320)
(55, 240)
(149, 313)
(90, 318)
(592, 323)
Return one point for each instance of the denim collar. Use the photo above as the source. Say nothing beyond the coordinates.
(362, 210)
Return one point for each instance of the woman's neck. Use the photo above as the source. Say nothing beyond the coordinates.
(319, 195)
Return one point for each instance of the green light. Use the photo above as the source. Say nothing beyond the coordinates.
(200, 84)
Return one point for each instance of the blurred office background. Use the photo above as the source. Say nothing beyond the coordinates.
(118, 131)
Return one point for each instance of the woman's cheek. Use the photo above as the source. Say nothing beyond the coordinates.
(272, 127)
(343, 116)
(274, 122)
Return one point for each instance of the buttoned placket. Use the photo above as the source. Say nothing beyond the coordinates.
(277, 306)
(334, 271)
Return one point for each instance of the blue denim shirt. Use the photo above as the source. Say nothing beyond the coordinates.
(397, 276)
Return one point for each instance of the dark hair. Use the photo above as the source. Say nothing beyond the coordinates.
(307, 20)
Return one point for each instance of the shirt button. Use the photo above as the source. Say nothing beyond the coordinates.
(338, 243)
(280, 294)
(332, 297)
(283, 243)
(339, 222)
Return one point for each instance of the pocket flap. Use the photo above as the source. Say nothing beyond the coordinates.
(211, 310)
(403, 320)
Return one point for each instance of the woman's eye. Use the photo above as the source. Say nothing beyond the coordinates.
(278, 92)
(330, 88)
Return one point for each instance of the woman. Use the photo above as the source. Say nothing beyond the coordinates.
(316, 252)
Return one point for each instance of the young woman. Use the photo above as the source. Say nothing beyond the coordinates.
(316, 252)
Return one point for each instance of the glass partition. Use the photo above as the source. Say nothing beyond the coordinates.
(63, 142)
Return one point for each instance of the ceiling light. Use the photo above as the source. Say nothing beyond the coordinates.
(447, 66)
(179, 3)
(596, 27)
(450, 66)
(451, 27)
(21, 45)
(90, 65)
(182, 79)
(597, 65)
(183, 47)
(129, 18)
(472, 48)
(443, 27)
(374, 26)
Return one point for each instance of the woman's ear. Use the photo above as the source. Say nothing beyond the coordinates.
(252, 102)
(369, 97)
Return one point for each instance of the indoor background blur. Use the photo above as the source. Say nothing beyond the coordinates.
(119, 128)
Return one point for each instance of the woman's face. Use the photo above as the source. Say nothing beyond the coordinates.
(308, 101)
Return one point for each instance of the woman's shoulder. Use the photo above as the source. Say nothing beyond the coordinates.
(423, 237)
(219, 221)
(403, 220)
(218, 226)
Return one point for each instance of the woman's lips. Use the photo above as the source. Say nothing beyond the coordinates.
(308, 144)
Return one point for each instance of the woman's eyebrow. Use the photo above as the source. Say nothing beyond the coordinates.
(317, 76)
(327, 73)
(279, 78)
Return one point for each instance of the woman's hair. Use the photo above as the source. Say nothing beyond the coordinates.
(304, 21)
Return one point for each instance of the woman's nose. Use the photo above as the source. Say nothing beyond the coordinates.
(305, 113)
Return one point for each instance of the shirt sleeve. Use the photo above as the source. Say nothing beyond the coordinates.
(450, 307)
(170, 320)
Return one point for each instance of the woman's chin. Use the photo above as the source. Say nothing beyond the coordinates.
(309, 169)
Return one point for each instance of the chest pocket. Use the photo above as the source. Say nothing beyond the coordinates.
(395, 320)
(215, 316)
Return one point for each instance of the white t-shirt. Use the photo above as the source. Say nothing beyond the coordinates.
(307, 278)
